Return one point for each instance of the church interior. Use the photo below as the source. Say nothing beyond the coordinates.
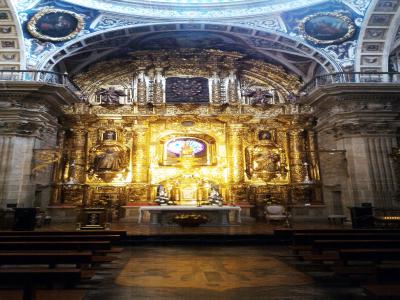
(199, 149)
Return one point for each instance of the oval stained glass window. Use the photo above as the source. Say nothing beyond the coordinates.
(175, 146)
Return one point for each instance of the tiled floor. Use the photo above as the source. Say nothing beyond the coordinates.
(212, 272)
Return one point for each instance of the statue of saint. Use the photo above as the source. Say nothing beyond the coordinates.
(109, 160)
(214, 197)
(109, 157)
(162, 196)
(263, 159)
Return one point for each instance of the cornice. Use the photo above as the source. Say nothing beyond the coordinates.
(26, 93)
(352, 91)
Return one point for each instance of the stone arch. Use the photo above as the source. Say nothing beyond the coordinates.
(271, 44)
(12, 52)
(377, 36)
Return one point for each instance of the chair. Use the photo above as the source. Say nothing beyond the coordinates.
(274, 213)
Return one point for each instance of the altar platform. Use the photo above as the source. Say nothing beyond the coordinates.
(215, 215)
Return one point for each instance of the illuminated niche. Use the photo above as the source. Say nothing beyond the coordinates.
(200, 147)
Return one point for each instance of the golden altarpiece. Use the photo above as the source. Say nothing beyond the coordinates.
(188, 120)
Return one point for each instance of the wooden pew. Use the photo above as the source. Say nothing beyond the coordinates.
(374, 255)
(383, 291)
(329, 245)
(309, 238)
(289, 233)
(30, 278)
(52, 238)
(46, 258)
(121, 233)
(54, 248)
(94, 246)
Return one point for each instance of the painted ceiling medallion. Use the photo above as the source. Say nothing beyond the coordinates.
(55, 25)
(326, 28)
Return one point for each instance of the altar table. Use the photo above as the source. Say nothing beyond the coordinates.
(217, 215)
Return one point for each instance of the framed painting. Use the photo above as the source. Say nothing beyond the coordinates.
(327, 28)
(55, 25)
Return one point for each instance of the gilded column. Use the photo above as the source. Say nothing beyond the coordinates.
(78, 155)
(216, 88)
(296, 146)
(313, 147)
(141, 87)
(235, 154)
(158, 91)
(58, 171)
(140, 163)
(232, 92)
(283, 142)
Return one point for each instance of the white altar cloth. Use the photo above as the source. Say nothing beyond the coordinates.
(157, 211)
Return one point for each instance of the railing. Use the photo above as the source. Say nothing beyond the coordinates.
(38, 76)
(322, 80)
(350, 77)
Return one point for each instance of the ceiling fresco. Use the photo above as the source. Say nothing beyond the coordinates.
(302, 35)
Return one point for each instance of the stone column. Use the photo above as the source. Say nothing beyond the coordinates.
(235, 153)
(371, 172)
(16, 185)
(296, 151)
(140, 164)
(383, 169)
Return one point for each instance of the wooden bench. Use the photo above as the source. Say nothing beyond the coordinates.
(94, 246)
(121, 233)
(309, 238)
(326, 245)
(374, 255)
(291, 232)
(39, 238)
(355, 270)
(46, 258)
(387, 273)
(30, 278)
(383, 291)
(331, 257)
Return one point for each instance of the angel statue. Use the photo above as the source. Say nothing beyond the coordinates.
(258, 96)
(109, 96)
